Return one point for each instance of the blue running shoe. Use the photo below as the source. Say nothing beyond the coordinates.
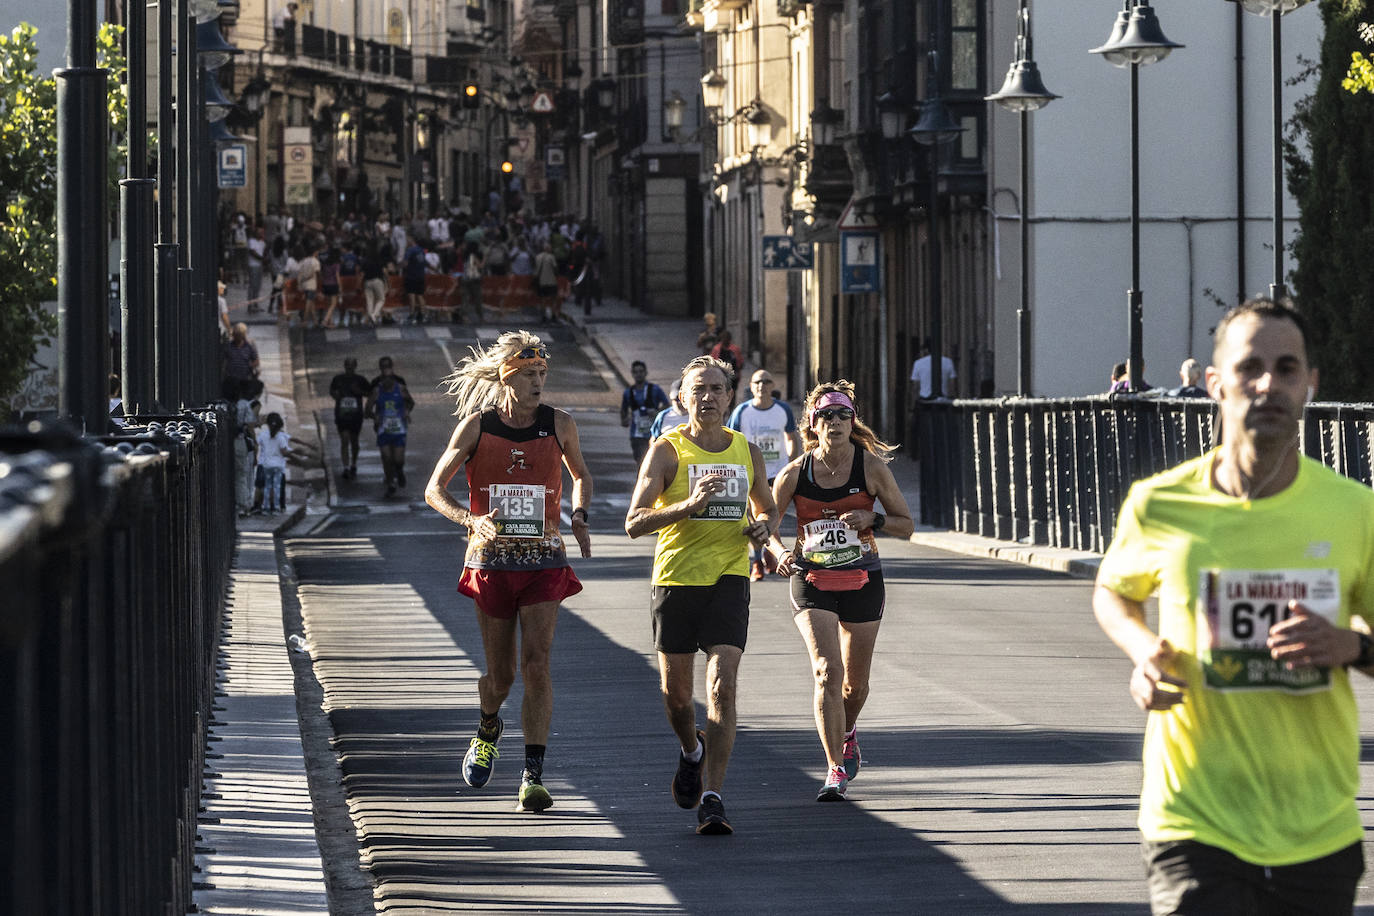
(478, 761)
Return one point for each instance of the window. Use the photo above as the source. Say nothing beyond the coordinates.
(964, 69)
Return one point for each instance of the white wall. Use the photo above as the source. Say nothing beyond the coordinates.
(1080, 195)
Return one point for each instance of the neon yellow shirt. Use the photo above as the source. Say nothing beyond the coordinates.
(1255, 760)
(701, 549)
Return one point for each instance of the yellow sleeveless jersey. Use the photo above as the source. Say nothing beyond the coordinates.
(701, 549)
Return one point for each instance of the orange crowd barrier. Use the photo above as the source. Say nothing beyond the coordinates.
(507, 293)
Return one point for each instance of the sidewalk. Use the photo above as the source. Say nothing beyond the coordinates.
(623, 334)
(256, 836)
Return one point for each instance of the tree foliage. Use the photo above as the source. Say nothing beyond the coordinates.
(1359, 77)
(1334, 274)
(28, 193)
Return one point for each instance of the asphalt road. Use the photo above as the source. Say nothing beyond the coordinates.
(1000, 747)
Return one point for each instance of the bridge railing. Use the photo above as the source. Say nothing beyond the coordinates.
(114, 557)
(1055, 471)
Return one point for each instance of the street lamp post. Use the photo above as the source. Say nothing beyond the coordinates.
(1023, 92)
(1276, 9)
(934, 128)
(1136, 40)
(137, 221)
(83, 316)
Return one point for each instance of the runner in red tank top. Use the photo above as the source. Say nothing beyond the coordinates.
(516, 568)
(837, 578)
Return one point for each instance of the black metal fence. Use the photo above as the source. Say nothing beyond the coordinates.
(1054, 472)
(114, 557)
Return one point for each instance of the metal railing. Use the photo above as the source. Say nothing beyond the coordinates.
(1054, 472)
(114, 558)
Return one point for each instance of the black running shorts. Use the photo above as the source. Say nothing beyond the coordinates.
(691, 617)
(863, 605)
(1186, 876)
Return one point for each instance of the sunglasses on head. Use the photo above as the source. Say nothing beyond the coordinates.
(834, 413)
(533, 353)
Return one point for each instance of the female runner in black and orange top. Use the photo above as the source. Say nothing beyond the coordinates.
(837, 578)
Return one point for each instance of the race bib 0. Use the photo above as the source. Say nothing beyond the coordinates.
(519, 509)
(1238, 608)
(728, 505)
(641, 423)
(830, 542)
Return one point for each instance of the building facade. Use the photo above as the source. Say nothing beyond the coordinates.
(359, 106)
(1206, 187)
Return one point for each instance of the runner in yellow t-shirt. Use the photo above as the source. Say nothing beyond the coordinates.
(697, 487)
(1260, 558)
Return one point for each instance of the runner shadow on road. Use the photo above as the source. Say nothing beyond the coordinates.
(615, 842)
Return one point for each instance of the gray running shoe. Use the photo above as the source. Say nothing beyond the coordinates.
(711, 819)
(687, 780)
(852, 758)
(835, 783)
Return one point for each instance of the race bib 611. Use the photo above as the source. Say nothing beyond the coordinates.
(1239, 606)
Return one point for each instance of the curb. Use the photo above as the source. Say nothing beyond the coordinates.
(1077, 563)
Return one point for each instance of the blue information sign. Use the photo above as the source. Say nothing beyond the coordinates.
(782, 252)
(859, 271)
(233, 166)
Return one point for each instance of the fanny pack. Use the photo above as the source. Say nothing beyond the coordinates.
(838, 580)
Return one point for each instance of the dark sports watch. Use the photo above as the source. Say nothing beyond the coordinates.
(1366, 657)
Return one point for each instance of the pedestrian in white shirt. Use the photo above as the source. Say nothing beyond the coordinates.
(274, 446)
(921, 376)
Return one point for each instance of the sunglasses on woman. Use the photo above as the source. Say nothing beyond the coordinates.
(533, 353)
(831, 414)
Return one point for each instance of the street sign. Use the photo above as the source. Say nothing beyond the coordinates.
(522, 143)
(859, 262)
(782, 252)
(233, 166)
(542, 104)
(298, 161)
(854, 219)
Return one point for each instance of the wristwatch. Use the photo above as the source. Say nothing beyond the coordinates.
(1366, 656)
(586, 519)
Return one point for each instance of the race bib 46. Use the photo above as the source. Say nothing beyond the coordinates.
(830, 542)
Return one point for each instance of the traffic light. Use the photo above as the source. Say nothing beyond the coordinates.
(472, 97)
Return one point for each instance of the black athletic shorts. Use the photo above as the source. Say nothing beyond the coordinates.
(863, 605)
(1187, 877)
(353, 425)
(691, 617)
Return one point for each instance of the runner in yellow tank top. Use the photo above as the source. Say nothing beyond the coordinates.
(697, 487)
